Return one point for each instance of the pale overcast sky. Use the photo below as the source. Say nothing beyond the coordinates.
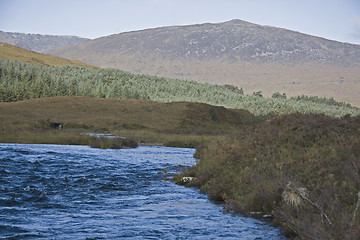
(333, 19)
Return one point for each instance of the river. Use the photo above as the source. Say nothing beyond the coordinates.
(78, 192)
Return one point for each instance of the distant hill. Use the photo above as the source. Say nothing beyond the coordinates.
(11, 52)
(39, 42)
(257, 58)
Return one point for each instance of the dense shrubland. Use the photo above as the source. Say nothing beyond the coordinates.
(21, 81)
(303, 169)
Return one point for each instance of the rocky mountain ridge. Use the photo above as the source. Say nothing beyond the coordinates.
(39, 42)
(231, 41)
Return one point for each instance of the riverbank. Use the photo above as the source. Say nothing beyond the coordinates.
(168, 124)
(63, 137)
(303, 170)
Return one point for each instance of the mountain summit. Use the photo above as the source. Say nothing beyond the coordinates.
(255, 57)
(231, 41)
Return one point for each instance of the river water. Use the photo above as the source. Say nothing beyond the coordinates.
(78, 192)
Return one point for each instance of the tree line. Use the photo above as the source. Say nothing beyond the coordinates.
(21, 81)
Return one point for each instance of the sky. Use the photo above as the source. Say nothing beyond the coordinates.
(332, 19)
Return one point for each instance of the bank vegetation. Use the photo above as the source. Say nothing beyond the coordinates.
(295, 159)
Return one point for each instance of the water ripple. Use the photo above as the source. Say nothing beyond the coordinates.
(77, 192)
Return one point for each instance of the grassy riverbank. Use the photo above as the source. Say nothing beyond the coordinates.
(170, 124)
(304, 170)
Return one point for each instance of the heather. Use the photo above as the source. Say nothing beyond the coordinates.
(302, 169)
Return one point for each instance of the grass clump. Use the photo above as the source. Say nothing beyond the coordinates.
(113, 143)
(303, 169)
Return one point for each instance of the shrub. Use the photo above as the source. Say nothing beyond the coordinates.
(304, 169)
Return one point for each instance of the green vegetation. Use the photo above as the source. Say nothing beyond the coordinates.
(302, 169)
(279, 95)
(21, 81)
(316, 99)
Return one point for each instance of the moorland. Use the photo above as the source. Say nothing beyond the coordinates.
(295, 159)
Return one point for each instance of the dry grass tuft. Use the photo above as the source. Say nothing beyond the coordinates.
(294, 195)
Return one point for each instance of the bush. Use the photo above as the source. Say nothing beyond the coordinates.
(302, 169)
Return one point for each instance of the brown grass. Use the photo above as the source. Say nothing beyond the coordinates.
(184, 124)
(11, 52)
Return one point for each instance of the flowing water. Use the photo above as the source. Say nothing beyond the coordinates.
(78, 192)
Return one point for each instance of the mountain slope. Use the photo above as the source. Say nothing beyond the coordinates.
(39, 42)
(257, 58)
(11, 52)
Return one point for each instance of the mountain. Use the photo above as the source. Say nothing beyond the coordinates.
(39, 42)
(10, 52)
(257, 58)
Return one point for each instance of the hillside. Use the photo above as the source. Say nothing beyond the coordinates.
(11, 52)
(22, 81)
(39, 42)
(257, 58)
